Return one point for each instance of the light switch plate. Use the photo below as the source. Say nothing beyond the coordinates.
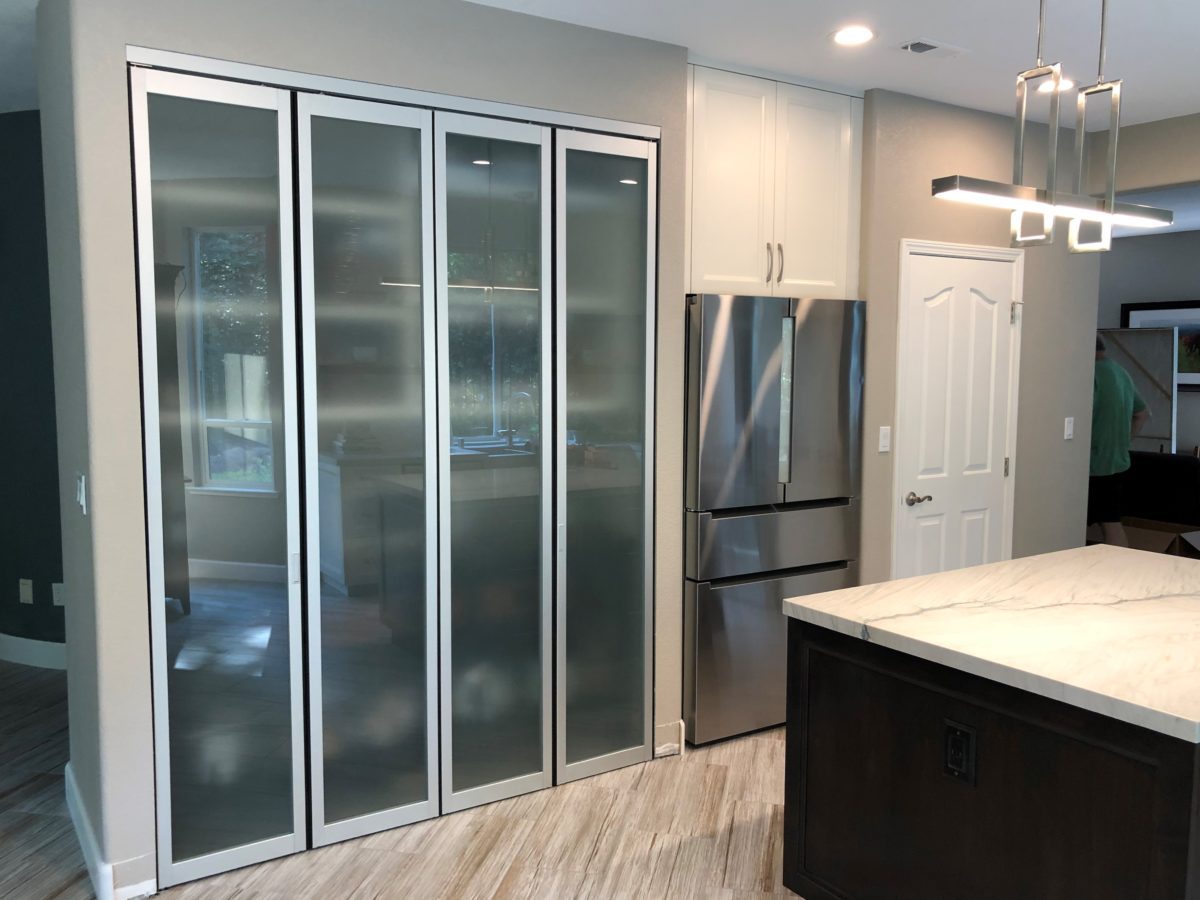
(26, 590)
(59, 594)
(885, 438)
(1069, 428)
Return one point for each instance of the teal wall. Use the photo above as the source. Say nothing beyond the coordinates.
(30, 534)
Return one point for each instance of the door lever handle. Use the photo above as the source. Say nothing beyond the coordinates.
(912, 499)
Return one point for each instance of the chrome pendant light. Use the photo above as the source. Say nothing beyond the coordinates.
(1048, 203)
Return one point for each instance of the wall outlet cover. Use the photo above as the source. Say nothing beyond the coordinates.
(1069, 428)
(25, 586)
(59, 593)
(885, 438)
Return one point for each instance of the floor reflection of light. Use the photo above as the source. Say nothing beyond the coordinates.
(242, 654)
(219, 756)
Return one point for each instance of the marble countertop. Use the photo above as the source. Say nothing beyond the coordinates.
(1106, 629)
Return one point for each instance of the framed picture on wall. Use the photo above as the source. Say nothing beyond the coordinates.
(1183, 314)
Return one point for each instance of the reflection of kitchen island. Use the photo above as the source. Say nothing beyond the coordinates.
(1022, 729)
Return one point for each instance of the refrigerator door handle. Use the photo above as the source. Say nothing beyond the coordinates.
(786, 351)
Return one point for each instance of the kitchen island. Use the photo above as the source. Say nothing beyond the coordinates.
(1021, 729)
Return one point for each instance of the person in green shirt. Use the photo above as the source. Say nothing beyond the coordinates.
(1118, 413)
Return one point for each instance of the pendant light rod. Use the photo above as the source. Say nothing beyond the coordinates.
(1041, 31)
(1103, 40)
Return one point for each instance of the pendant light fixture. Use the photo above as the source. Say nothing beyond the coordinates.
(1048, 203)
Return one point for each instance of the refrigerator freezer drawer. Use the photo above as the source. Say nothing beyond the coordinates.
(735, 651)
(725, 545)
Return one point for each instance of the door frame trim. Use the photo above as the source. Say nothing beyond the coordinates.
(171, 60)
(912, 247)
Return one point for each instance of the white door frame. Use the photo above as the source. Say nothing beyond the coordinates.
(909, 248)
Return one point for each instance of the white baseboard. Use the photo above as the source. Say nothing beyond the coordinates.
(668, 739)
(28, 652)
(236, 571)
(99, 870)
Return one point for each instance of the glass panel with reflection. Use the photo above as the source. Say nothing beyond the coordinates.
(606, 355)
(214, 173)
(494, 238)
(370, 370)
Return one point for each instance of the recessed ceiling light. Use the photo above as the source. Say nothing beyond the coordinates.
(853, 35)
(1047, 85)
(628, 181)
(481, 162)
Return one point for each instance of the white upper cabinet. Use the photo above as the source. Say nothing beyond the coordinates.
(776, 172)
(733, 174)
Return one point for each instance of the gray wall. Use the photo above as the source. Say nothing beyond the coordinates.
(908, 141)
(1152, 154)
(30, 538)
(1149, 268)
(438, 45)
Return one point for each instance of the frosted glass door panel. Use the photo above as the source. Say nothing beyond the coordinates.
(368, 316)
(221, 457)
(605, 297)
(495, 597)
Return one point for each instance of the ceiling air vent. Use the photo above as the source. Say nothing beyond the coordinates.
(931, 49)
(918, 47)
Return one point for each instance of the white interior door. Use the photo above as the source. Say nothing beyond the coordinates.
(955, 406)
(733, 173)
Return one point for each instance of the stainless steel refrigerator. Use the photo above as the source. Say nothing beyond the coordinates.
(774, 424)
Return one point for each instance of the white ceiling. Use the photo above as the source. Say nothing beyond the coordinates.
(1154, 45)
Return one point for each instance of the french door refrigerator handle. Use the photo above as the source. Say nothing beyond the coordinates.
(787, 346)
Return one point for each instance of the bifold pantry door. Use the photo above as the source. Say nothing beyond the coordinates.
(213, 185)
(605, 227)
(370, 443)
(494, 283)
(367, 483)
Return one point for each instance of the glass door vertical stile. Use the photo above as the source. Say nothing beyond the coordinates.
(493, 227)
(367, 305)
(213, 163)
(605, 311)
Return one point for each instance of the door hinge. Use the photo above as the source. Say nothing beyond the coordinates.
(1012, 311)
(1006, 461)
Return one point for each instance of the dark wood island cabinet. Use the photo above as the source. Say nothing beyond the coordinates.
(949, 738)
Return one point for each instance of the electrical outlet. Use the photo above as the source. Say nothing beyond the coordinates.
(25, 586)
(58, 593)
(959, 744)
(1069, 428)
(885, 438)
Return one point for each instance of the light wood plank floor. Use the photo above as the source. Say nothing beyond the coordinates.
(707, 824)
(39, 855)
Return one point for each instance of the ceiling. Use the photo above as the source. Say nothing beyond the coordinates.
(1152, 43)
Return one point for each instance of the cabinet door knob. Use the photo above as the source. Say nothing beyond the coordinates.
(779, 277)
(770, 262)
